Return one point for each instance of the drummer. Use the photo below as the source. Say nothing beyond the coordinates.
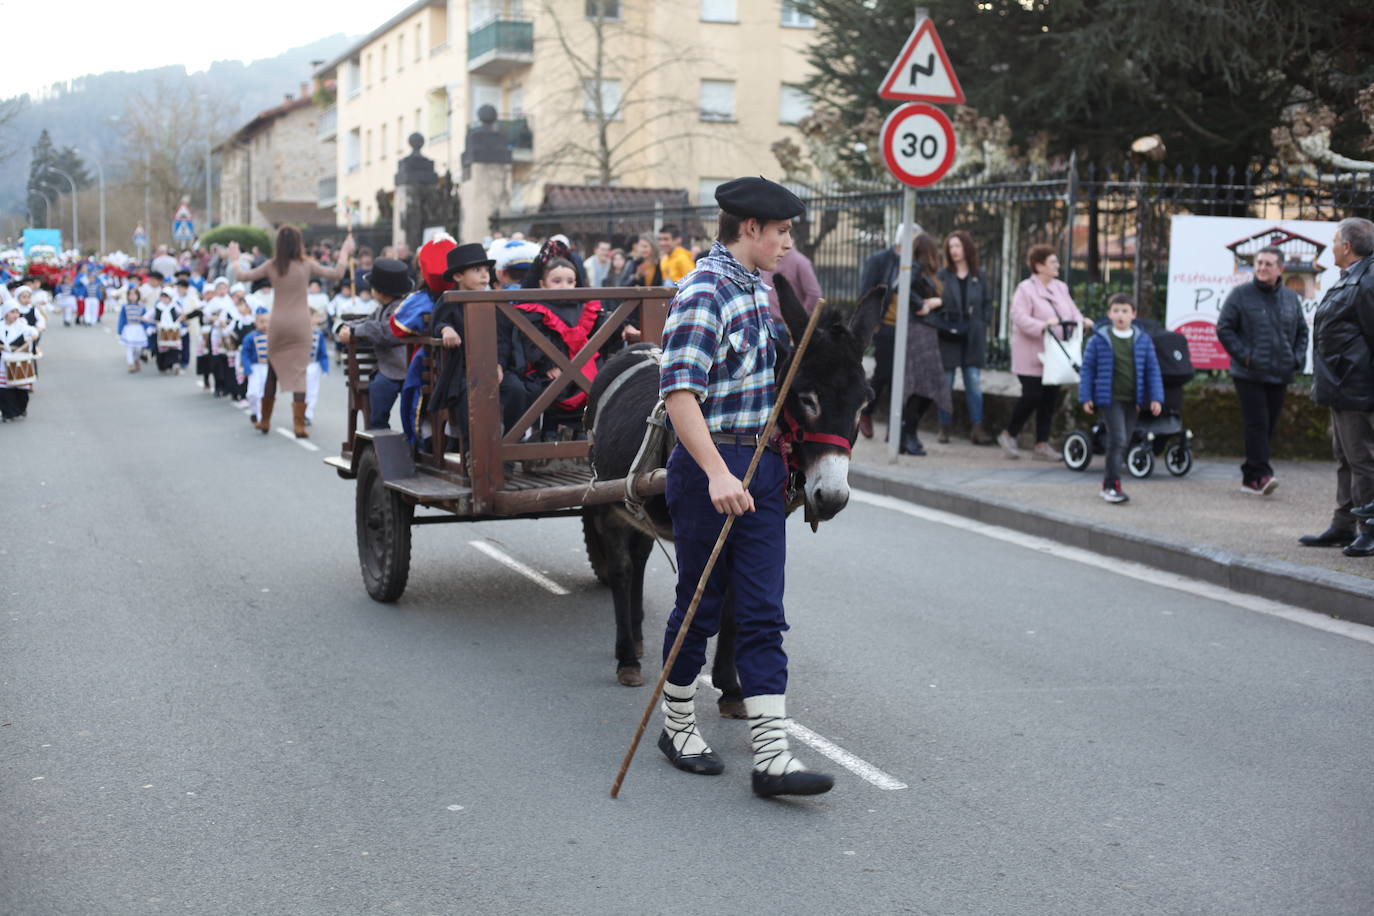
(16, 338)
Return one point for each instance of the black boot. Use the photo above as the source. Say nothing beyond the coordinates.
(1362, 546)
(911, 443)
(1331, 537)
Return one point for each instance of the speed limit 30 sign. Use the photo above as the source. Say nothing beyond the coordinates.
(918, 144)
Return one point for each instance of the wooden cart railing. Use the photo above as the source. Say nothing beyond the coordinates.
(485, 446)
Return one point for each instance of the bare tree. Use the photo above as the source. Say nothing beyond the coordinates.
(635, 128)
(166, 132)
(9, 110)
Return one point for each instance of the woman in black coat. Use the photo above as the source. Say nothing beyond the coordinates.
(963, 328)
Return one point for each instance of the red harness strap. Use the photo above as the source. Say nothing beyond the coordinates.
(574, 337)
(792, 435)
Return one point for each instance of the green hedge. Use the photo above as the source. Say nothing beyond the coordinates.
(246, 236)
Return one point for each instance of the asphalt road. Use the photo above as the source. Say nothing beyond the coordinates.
(201, 711)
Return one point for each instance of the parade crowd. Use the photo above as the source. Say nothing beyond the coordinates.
(246, 324)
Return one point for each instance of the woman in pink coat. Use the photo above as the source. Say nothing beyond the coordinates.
(1041, 301)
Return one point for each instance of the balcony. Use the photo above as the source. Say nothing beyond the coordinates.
(518, 136)
(329, 123)
(329, 193)
(500, 47)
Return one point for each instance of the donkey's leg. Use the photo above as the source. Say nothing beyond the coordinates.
(641, 546)
(617, 541)
(723, 674)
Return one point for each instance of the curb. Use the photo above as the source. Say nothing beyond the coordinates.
(1325, 591)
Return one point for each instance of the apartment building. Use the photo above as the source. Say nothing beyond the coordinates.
(271, 168)
(631, 92)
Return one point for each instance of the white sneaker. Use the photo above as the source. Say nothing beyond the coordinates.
(1008, 444)
(1113, 494)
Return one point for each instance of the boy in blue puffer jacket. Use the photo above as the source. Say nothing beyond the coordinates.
(1120, 372)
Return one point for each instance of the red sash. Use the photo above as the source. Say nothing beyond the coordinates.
(574, 337)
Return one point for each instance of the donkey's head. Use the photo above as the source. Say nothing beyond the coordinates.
(829, 392)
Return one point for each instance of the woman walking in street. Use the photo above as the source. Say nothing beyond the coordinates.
(289, 336)
(1041, 301)
(962, 324)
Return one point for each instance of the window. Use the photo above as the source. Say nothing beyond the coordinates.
(367, 71)
(382, 70)
(419, 43)
(438, 113)
(610, 99)
(400, 51)
(381, 147)
(367, 148)
(401, 135)
(415, 125)
(794, 105)
(706, 190)
(795, 18)
(717, 100)
(353, 147)
(718, 11)
(352, 78)
(610, 9)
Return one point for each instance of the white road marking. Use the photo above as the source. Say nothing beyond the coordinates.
(303, 443)
(1126, 568)
(856, 765)
(533, 575)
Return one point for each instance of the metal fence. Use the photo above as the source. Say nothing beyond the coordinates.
(1118, 217)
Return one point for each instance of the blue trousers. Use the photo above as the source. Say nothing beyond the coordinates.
(751, 564)
(973, 394)
(381, 395)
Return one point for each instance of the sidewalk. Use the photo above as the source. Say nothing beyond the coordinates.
(1200, 525)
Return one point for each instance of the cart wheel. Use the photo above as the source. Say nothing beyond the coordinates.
(1140, 461)
(383, 521)
(596, 551)
(1078, 451)
(1178, 459)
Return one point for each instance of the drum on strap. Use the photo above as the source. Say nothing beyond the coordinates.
(168, 338)
(20, 370)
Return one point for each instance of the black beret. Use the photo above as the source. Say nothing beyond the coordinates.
(759, 198)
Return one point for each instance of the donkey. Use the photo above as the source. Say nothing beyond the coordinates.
(822, 415)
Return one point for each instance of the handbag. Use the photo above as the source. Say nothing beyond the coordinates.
(1062, 358)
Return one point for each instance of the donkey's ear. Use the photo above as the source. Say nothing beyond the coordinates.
(867, 315)
(792, 311)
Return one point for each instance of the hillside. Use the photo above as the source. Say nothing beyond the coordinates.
(81, 115)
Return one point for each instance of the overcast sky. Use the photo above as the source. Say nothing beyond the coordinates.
(71, 38)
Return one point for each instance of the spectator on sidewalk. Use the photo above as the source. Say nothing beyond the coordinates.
(882, 268)
(677, 262)
(598, 266)
(797, 270)
(1264, 332)
(963, 328)
(1343, 380)
(1041, 301)
(1120, 377)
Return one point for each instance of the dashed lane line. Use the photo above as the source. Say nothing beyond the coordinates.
(303, 443)
(1139, 571)
(533, 575)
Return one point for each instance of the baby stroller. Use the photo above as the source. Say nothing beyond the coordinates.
(1163, 436)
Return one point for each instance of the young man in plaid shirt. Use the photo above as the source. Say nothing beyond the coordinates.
(717, 381)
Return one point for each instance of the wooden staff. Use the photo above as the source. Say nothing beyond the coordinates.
(715, 552)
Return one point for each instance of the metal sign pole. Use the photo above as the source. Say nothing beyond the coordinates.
(904, 239)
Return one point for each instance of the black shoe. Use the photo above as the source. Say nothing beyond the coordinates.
(1365, 512)
(708, 764)
(1331, 537)
(1362, 546)
(802, 782)
(911, 445)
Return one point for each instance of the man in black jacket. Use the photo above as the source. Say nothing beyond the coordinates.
(1263, 329)
(882, 267)
(1343, 379)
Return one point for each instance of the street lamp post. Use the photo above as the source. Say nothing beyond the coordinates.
(48, 206)
(100, 173)
(76, 238)
(47, 209)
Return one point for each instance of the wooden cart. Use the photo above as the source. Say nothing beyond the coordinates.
(480, 479)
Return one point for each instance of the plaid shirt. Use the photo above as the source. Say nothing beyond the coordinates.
(718, 344)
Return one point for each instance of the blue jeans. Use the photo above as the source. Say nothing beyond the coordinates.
(381, 395)
(973, 394)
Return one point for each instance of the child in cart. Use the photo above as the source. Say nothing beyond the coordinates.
(1120, 374)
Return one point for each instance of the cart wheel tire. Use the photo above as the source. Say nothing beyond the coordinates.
(383, 521)
(1140, 461)
(596, 551)
(1178, 460)
(1078, 451)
